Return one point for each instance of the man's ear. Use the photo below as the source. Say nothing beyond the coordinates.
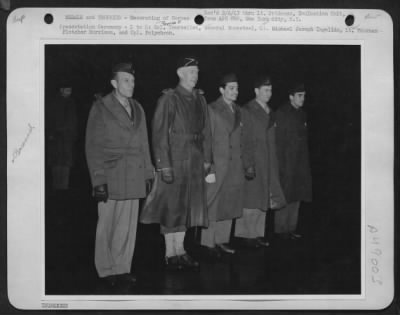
(114, 83)
(221, 90)
(291, 97)
(256, 91)
(179, 72)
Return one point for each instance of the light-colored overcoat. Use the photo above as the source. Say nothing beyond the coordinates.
(225, 196)
(117, 148)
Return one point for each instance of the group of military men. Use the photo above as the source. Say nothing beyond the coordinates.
(213, 163)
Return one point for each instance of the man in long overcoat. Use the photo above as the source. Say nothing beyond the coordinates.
(182, 153)
(225, 184)
(262, 190)
(61, 136)
(120, 167)
(293, 157)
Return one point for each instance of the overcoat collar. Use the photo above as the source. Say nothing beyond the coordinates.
(260, 113)
(181, 90)
(114, 106)
(223, 108)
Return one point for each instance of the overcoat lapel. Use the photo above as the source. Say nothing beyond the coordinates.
(260, 115)
(137, 114)
(116, 109)
(226, 114)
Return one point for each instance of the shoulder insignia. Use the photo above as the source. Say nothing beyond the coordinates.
(168, 91)
(200, 91)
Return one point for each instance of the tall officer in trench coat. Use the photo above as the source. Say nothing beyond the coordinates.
(262, 190)
(118, 157)
(293, 157)
(225, 182)
(182, 153)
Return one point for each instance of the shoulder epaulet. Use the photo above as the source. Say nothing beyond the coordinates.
(168, 91)
(200, 91)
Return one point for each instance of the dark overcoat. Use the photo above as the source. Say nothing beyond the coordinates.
(61, 131)
(225, 196)
(264, 191)
(117, 148)
(293, 154)
(181, 141)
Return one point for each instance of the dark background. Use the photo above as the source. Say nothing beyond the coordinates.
(321, 106)
(333, 80)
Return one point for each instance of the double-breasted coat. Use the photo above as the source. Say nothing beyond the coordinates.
(264, 191)
(117, 148)
(181, 141)
(225, 196)
(293, 154)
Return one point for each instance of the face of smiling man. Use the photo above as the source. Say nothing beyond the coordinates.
(124, 84)
(230, 92)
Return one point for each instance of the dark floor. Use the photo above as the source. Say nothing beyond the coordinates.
(325, 261)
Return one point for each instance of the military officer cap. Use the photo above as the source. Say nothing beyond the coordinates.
(297, 88)
(65, 82)
(227, 78)
(262, 80)
(186, 62)
(123, 67)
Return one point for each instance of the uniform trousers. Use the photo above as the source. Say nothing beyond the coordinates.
(286, 218)
(174, 244)
(218, 232)
(116, 236)
(251, 224)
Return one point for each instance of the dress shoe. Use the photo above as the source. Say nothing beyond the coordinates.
(188, 262)
(282, 236)
(250, 243)
(295, 236)
(262, 242)
(128, 278)
(173, 263)
(110, 280)
(212, 252)
(225, 248)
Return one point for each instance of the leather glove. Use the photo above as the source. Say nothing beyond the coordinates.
(100, 193)
(250, 173)
(149, 185)
(207, 168)
(167, 175)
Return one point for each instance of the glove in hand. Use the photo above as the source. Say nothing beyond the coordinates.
(250, 173)
(100, 193)
(167, 175)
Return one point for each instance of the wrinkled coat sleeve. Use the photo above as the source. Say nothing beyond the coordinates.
(247, 139)
(207, 143)
(147, 158)
(95, 132)
(163, 118)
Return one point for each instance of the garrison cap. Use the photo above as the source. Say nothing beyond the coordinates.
(227, 78)
(65, 82)
(123, 67)
(262, 80)
(297, 88)
(187, 62)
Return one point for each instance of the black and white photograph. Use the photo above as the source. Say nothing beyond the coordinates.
(206, 159)
(234, 169)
